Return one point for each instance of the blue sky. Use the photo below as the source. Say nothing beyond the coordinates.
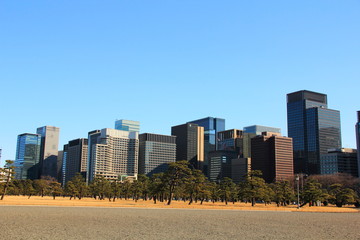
(79, 65)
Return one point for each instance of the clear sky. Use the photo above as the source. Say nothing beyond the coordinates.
(79, 65)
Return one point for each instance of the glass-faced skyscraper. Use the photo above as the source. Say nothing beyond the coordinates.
(127, 125)
(27, 156)
(211, 127)
(313, 127)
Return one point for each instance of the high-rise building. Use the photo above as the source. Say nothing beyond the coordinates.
(313, 127)
(236, 140)
(76, 158)
(155, 152)
(342, 160)
(258, 129)
(127, 125)
(27, 158)
(189, 143)
(273, 155)
(211, 127)
(49, 150)
(357, 129)
(113, 154)
(220, 164)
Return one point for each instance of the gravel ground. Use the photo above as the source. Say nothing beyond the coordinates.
(39, 222)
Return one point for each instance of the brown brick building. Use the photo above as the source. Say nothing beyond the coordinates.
(273, 155)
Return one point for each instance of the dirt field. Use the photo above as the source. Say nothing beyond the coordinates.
(50, 222)
(48, 201)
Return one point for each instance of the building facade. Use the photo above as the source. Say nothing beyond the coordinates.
(342, 160)
(27, 160)
(313, 127)
(75, 158)
(211, 127)
(258, 129)
(49, 150)
(113, 154)
(155, 152)
(272, 154)
(127, 125)
(189, 143)
(220, 164)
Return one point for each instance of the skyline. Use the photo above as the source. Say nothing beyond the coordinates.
(80, 66)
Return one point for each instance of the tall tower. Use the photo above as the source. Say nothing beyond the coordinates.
(211, 127)
(49, 150)
(273, 155)
(75, 154)
(189, 143)
(313, 127)
(357, 127)
(113, 154)
(27, 156)
(155, 152)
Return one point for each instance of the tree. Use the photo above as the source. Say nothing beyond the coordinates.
(157, 187)
(80, 185)
(9, 172)
(312, 192)
(55, 189)
(100, 187)
(195, 184)
(341, 196)
(283, 193)
(253, 188)
(227, 190)
(176, 175)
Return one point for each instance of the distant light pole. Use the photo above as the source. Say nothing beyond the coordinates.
(298, 195)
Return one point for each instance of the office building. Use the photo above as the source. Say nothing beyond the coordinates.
(75, 156)
(342, 160)
(27, 158)
(49, 150)
(357, 129)
(236, 140)
(313, 127)
(220, 164)
(211, 127)
(127, 125)
(258, 129)
(240, 167)
(113, 154)
(272, 154)
(189, 143)
(155, 152)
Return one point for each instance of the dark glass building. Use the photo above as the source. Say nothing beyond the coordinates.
(75, 155)
(27, 158)
(220, 164)
(313, 127)
(342, 160)
(155, 152)
(357, 129)
(211, 127)
(189, 143)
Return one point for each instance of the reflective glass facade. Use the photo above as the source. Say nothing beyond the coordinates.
(257, 129)
(27, 156)
(313, 127)
(211, 127)
(127, 125)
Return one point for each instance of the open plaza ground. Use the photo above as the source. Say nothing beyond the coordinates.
(45, 218)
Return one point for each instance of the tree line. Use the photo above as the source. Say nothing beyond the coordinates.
(182, 182)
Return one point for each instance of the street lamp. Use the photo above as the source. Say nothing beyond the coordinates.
(298, 196)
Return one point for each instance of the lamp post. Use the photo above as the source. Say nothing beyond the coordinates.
(298, 195)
